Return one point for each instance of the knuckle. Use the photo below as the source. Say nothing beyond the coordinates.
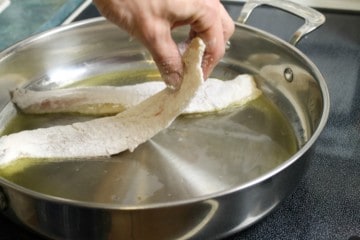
(212, 7)
(228, 31)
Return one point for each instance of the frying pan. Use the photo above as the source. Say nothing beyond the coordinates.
(204, 177)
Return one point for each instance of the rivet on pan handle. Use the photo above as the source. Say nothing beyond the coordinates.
(313, 19)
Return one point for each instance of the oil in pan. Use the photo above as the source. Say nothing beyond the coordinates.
(196, 156)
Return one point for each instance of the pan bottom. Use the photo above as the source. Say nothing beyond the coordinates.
(195, 156)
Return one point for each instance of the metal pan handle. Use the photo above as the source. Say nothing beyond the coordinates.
(313, 18)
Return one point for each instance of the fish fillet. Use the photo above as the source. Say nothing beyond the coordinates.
(110, 135)
(112, 100)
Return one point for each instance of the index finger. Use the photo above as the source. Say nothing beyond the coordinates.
(158, 40)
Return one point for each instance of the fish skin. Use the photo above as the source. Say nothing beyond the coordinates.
(110, 135)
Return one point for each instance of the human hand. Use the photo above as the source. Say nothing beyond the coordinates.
(151, 21)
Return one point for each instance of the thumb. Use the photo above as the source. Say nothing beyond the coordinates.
(167, 57)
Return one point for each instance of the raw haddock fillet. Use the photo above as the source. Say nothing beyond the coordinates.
(112, 100)
(110, 135)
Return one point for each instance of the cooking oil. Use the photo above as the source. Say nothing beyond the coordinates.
(196, 156)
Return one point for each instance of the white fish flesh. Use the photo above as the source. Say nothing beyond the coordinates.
(213, 95)
(110, 135)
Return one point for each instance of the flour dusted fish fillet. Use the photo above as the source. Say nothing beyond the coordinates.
(213, 95)
(110, 135)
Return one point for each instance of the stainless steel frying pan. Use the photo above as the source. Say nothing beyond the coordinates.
(203, 177)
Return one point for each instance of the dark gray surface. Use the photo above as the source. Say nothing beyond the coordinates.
(326, 204)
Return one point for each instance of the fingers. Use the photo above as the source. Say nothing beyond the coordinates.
(215, 35)
(158, 40)
(227, 24)
(145, 21)
(215, 49)
(152, 21)
(227, 29)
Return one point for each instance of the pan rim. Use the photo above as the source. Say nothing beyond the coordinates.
(4, 183)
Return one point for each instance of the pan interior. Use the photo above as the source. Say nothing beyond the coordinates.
(196, 156)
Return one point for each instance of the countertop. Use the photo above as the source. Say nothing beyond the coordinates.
(326, 203)
(24, 18)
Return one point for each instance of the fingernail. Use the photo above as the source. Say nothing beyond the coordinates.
(207, 65)
(182, 46)
(173, 80)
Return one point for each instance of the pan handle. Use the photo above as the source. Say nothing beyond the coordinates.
(313, 18)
